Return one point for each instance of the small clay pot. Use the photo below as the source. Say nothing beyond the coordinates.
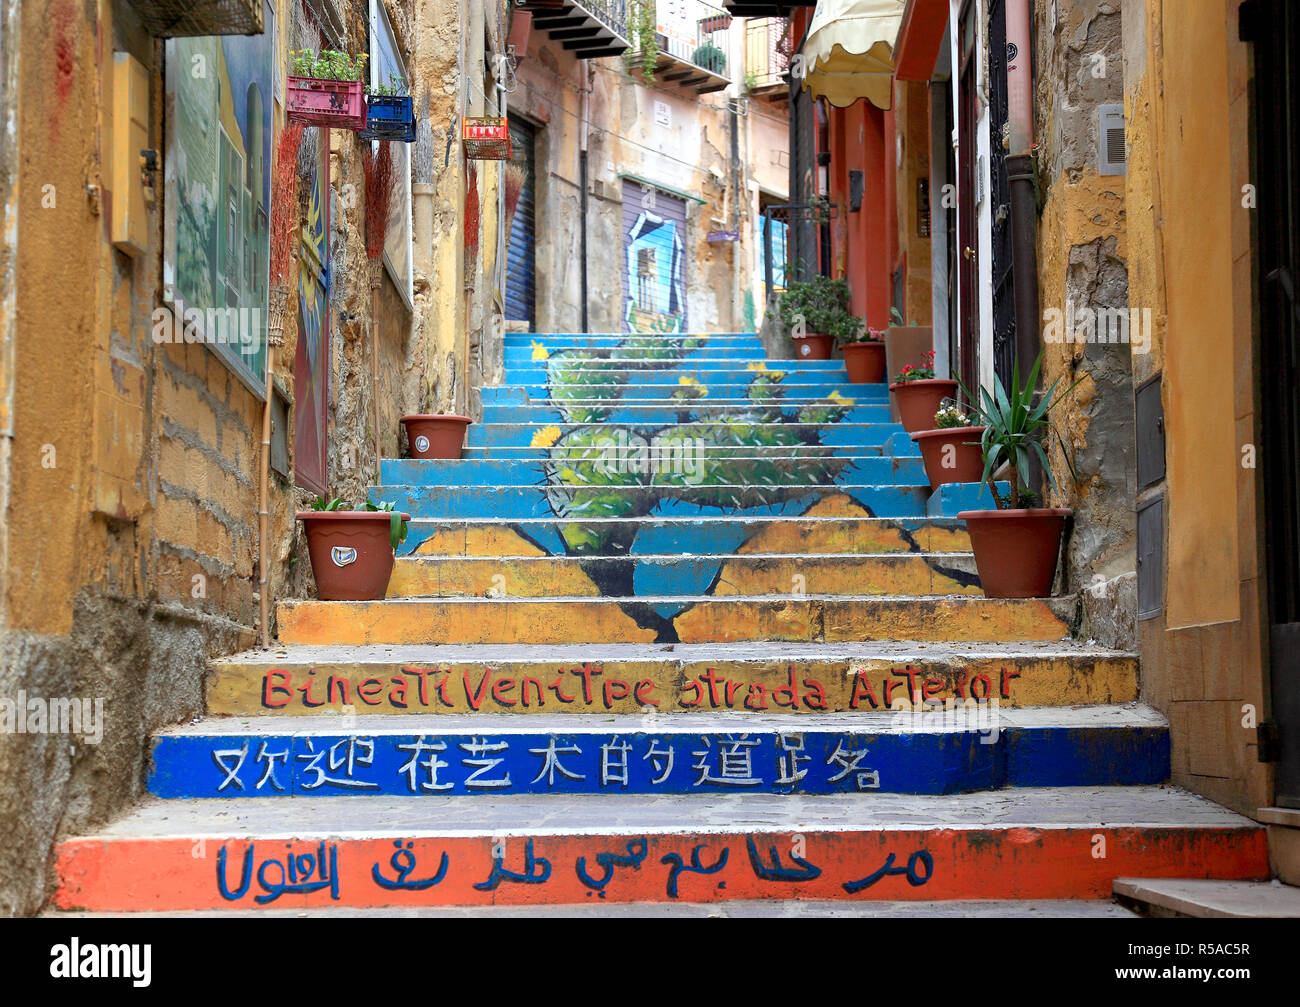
(435, 436)
(865, 362)
(1016, 550)
(919, 400)
(959, 447)
(813, 346)
(351, 558)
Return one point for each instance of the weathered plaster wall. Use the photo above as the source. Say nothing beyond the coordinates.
(130, 528)
(912, 157)
(1186, 87)
(1083, 269)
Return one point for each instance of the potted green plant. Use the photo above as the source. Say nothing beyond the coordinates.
(863, 350)
(326, 89)
(352, 551)
(918, 393)
(390, 113)
(710, 57)
(815, 311)
(435, 435)
(1016, 546)
(951, 451)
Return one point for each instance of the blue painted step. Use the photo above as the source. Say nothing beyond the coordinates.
(869, 754)
(837, 434)
(873, 471)
(615, 412)
(510, 503)
(718, 394)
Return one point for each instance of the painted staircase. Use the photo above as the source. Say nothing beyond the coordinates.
(683, 625)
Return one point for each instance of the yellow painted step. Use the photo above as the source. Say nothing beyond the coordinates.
(745, 574)
(678, 679)
(706, 619)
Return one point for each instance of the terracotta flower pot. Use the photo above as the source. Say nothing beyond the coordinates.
(919, 400)
(351, 557)
(1016, 550)
(952, 455)
(435, 436)
(813, 346)
(865, 362)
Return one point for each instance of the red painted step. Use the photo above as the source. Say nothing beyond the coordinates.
(1024, 844)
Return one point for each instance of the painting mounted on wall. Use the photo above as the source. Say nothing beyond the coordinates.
(385, 64)
(654, 260)
(220, 97)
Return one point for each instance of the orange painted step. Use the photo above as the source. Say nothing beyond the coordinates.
(700, 619)
(369, 851)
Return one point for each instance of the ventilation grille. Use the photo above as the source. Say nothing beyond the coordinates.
(1112, 148)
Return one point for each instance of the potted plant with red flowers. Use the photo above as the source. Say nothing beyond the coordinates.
(440, 435)
(1016, 546)
(326, 89)
(352, 551)
(864, 354)
(951, 451)
(918, 393)
(816, 311)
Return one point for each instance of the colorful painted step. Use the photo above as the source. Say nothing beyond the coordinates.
(749, 574)
(967, 747)
(1033, 843)
(674, 618)
(756, 679)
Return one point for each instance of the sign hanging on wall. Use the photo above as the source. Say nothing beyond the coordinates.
(486, 138)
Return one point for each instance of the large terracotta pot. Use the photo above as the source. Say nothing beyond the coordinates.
(865, 362)
(1016, 550)
(919, 400)
(440, 436)
(351, 557)
(952, 455)
(813, 346)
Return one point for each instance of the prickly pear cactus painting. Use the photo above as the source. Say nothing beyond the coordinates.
(607, 462)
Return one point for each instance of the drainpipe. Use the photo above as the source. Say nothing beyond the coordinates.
(582, 186)
(1020, 175)
(734, 222)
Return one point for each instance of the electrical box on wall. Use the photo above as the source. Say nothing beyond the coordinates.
(1112, 149)
(133, 162)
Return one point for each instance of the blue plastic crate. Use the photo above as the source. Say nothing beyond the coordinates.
(390, 118)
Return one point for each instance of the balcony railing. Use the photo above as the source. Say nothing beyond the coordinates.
(694, 32)
(589, 29)
(767, 52)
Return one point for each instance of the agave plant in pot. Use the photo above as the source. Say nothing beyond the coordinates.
(1016, 546)
(815, 311)
(951, 451)
(919, 394)
(352, 551)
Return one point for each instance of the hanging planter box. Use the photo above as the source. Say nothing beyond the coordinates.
(486, 138)
(190, 18)
(339, 104)
(390, 117)
(719, 22)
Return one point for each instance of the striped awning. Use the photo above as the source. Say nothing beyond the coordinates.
(848, 53)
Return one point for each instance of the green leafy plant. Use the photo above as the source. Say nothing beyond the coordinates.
(643, 54)
(751, 82)
(397, 526)
(320, 503)
(328, 64)
(822, 304)
(1013, 426)
(950, 416)
(395, 88)
(710, 57)
(913, 373)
